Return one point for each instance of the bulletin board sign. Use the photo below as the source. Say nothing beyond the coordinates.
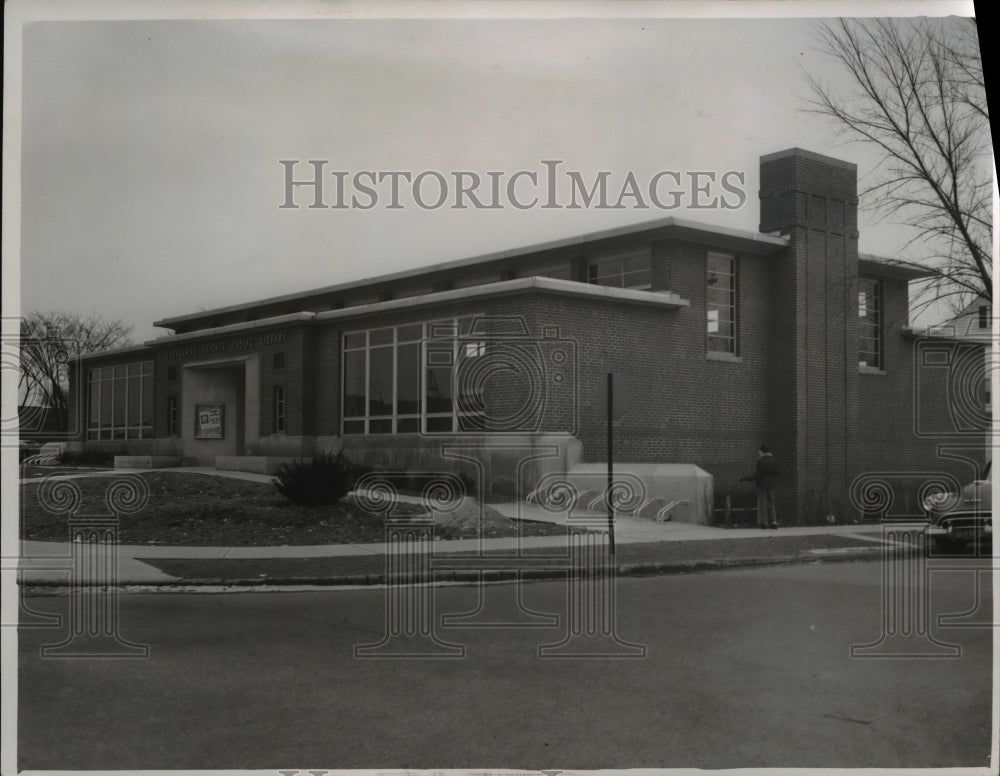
(208, 421)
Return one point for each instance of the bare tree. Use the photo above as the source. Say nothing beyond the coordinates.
(49, 342)
(916, 92)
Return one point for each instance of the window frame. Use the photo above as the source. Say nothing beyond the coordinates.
(113, 381)
(445, 336)
(733, 305)
(646, 254)
(878, 327)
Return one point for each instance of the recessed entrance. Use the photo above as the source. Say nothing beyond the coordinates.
(220, 408)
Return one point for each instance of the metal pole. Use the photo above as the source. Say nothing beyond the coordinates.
(611, 509)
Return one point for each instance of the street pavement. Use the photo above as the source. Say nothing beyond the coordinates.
(744, 668)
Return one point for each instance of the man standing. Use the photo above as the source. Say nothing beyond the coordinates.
(765, 477)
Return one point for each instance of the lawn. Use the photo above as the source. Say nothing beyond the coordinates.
(204, 510)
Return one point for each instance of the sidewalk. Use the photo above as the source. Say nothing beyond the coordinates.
(642, 546)
(678, 548)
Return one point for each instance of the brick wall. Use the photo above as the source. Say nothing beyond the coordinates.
(813, 200)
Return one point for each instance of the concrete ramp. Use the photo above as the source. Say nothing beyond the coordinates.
(657, 491)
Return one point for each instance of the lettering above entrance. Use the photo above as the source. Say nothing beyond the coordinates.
(226, 346)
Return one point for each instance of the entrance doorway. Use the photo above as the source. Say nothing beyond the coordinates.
(220, 409)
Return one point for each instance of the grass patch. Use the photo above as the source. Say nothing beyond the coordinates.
(204, 510)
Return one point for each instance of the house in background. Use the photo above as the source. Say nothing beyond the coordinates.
(724, 338)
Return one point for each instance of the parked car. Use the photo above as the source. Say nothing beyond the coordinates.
(955, 520)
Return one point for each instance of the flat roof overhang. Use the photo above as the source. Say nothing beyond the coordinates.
(669, 228)
(953, 333)
(114, 352)
(568, 288)
(892, 268)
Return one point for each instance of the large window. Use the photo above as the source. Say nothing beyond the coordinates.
(722, 313)
(870, 323)
(120, 402)
(631, 270)
(410, 379)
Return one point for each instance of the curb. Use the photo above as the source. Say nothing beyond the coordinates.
(661, 568)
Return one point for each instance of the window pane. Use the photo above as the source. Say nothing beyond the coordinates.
(133, 401)
(724, 314)
(636, 264)
(354, 384)
(356, 340)
(470, 377)
(720, 345)
(147, 400)
(410, 333)
(439, 424)
(95, 404)
(134, 369)
(408, 380)
(869, 325)
(408, 425)
(719, 296)
(439, 390)
(383, 426)
(118, 415)
(380, 337)
(354, 427)
(720, 263)
(640, 279)
(380, 382)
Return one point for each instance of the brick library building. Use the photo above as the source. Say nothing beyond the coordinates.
(719, 339)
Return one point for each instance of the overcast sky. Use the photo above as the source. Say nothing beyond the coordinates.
(151, 183)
